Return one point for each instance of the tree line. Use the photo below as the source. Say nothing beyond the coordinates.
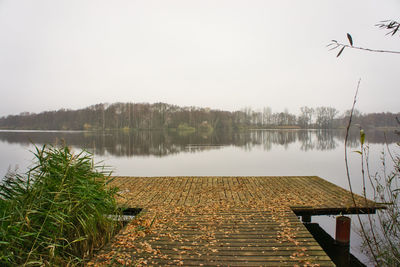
(166, 116)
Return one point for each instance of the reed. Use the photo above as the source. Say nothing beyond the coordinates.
(57, 212)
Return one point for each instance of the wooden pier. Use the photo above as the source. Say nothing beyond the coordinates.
(225, 221)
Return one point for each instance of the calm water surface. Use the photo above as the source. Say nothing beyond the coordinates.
(249, 153)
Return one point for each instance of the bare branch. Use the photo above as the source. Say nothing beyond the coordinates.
(336, 44)
(348, 175)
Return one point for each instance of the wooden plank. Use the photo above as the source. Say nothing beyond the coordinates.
(237, 221)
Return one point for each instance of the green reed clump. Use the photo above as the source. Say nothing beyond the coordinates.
(56, 213)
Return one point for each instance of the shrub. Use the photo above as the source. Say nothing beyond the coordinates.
(55, 213)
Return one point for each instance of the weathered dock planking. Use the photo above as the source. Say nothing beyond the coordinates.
(225, 221)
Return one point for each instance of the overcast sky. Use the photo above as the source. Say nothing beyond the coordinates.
(220, 54)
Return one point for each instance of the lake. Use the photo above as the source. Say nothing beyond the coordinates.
(228, 153)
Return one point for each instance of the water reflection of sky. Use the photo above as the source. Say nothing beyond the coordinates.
(163, 153)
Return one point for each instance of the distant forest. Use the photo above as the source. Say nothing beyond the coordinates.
(165, 116)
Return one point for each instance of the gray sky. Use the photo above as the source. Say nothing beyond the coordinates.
(219, 54)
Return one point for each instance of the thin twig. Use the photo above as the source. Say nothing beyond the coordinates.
(348, 174)
(337, 45)
(365, 195)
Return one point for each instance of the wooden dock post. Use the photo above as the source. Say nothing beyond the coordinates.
(343, 225)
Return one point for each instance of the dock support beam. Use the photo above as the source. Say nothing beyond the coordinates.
(343, 225)
(306, 218)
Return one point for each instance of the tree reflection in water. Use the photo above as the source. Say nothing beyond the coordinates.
(164, 143)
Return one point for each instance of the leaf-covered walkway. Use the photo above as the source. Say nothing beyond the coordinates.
(225, 221)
